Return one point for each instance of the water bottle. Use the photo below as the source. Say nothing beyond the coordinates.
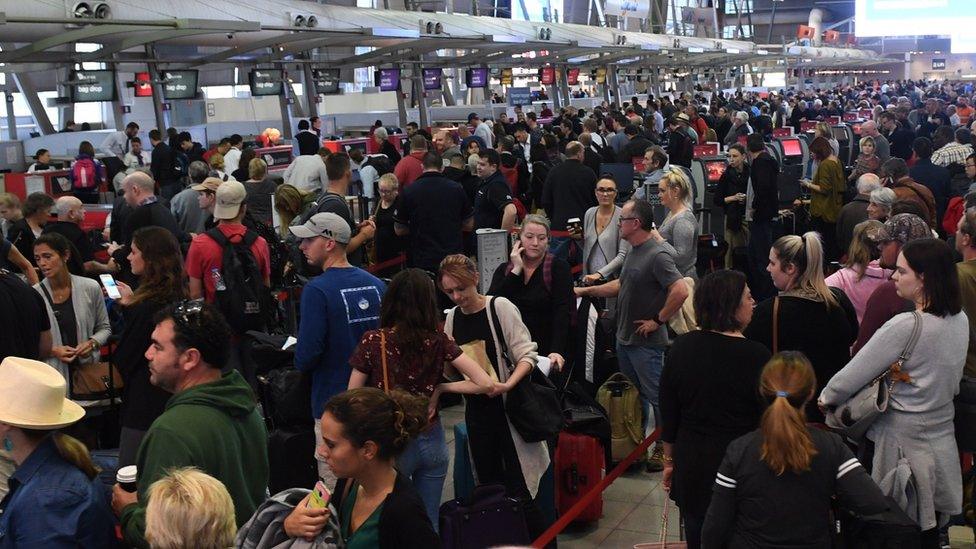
(218, 280)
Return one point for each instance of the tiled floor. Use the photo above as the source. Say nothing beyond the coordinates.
(632, 507)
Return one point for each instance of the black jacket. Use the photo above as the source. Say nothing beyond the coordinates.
(142, 402)
(936, 178)
(681, 148)
(22, 237)
(635, 147)
(308, 143)
(569, 191)
(731, 183)
(391, 152)
(900, 142)
(403, 520)
(162, 163)
(765, 202)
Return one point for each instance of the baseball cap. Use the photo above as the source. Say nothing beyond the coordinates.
(473, 116)
(325, 224)
(209, 184)
(230, 196)
(904, 228)
(682, 117)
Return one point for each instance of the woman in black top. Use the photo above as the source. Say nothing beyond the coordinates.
(363, 431)
(259, 188)
(774, 487)
(156, 262)
(731, 197)
(24, 231)
(242, 173)
(388, 244)
(708, 394)
(812, 318)
(541, 286)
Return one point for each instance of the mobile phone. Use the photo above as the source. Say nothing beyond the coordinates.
(320, 496)
(111, 288)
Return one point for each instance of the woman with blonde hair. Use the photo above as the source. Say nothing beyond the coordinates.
(807, 315)
(867, 161)
(217, 167)
(290, 203)
(9, 212)
(189, 508)
(822, 129)
(776, 484)
(861, 273)
(259, 189)
(680, 227)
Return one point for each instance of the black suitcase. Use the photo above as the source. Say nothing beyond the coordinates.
(291, 459)
(892, 529)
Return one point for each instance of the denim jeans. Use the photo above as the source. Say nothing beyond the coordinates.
(425, 461)
(643, 366)
(563, 247)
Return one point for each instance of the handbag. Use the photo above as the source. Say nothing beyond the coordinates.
(663, 542)
(853, 417)
(489, 518)
(532, 406)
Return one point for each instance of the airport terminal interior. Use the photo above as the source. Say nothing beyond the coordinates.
(488, 273)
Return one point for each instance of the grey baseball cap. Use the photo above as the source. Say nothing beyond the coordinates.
(326, 224)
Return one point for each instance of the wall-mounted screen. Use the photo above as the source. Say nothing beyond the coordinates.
(179, 84)
(326, 81)
(476, 78)
(92, 86)
(265, 81)
(547, 75)
(432, 79)
(791, 147)
(388, 80)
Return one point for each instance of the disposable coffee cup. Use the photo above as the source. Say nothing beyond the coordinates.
(126, 477)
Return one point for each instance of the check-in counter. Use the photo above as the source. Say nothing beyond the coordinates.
(52, 182)
(278, 157)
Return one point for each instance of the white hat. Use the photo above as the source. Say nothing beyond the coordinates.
(32, 396)
(230, 195)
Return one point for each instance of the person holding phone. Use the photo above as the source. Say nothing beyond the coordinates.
(731, 194)
(155, 259)
(603, 249)
(541, 286)
(363, 432)
(75, 306)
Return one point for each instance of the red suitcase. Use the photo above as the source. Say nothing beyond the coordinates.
(578, 468)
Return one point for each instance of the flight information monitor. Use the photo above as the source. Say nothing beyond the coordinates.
(179, 84)
(476, 78)
(326, 81)
(266, 81)
(388, 79)
(432, 79)
(92, 86)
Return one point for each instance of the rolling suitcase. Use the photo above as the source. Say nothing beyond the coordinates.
(291, 459)
(579, 467)
(489, 518)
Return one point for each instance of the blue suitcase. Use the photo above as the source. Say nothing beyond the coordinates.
(464, 476)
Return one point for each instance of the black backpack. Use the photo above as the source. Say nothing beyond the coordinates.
(244, 298)
(381, 163)
(605, 152)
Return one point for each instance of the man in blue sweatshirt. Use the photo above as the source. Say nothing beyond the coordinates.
(337, 307)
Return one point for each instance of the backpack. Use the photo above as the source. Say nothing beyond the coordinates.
(380, 163)
(605, 152)
(243, 299)
(621, 399)
(84, 174)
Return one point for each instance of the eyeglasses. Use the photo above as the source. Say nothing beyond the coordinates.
(621, 220)
(606, 190)
(188, 312)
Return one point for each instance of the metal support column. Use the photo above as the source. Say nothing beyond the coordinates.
(284, 100)
(614, 85)
(554, 94)
(446, 90)
(26, 87)
(118, 116)
(157, 91)
(421, 95)
(11, 119)
(311, 96)
(564, 85)
(401, 104)
(65, 112)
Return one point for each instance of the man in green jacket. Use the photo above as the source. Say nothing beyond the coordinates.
(211, 422)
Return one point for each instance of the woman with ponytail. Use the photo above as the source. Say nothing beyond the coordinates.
(363, 432)
(775, 485)
(807, 315)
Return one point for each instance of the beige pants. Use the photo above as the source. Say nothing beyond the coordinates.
(325, 473)
(735, 239)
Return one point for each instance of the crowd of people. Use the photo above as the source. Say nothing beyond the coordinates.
(740, 367)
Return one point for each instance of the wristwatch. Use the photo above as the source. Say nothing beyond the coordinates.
(658, 320)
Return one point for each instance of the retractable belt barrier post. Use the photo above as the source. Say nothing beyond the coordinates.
(398, 260)
(585, 501)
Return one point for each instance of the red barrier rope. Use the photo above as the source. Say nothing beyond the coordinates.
(398, 260)
(585, 501)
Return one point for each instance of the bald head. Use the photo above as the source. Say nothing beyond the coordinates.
(869, 128)
(69, 208)
(136, 187)
(867, 183)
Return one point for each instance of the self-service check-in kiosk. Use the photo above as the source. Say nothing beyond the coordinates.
(845, 138)
(713, 220)
(794, 154)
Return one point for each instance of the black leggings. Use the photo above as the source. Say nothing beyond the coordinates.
(495, 459)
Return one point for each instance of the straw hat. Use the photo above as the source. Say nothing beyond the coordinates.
(32, 396)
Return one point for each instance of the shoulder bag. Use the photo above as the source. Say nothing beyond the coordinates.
(853, 417)
(532, 406)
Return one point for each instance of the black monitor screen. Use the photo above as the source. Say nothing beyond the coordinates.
(92, 86)
(388, 79)
(179, 84)
(432, 79)
(326, 81)
(265, 82)
(360, 146)
(476, 78)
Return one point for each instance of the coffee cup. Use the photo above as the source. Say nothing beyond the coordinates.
(127, 477)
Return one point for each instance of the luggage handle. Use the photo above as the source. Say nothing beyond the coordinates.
(572, 480)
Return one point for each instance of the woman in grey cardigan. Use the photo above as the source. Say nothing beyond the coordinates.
(604, 251)
(917, 425)
(75, 306)
(680, 227)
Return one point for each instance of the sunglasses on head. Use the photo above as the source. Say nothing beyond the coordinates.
(187, 313)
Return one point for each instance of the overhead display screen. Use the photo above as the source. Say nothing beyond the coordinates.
(432, 79)
(388, 80)
(179, 84)
(572, 76)
(142, 86)
(265, 81)
(326, 81)
(913, 17)
(476, 78)
(92, 86)
(547, 75)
